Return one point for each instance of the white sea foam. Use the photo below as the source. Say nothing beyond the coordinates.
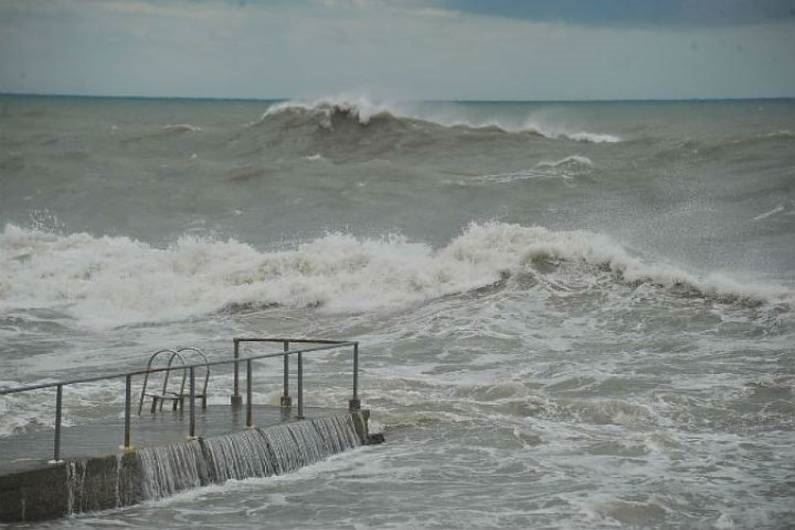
(362, 108)
(550, 130)
(514, 176)
(770, 213)
(110, 281)
(181, 127)
(573, 160)
(35, 412)
(565, 168)
(34, 409)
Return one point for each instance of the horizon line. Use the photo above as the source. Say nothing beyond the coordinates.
(431, 100)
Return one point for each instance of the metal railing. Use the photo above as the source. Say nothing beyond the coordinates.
(286, 400)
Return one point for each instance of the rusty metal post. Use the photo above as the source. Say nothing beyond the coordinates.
(249, 409)
(192, 433)
(300, 415)
(286, 402)
(127, 398)
(355, 403)
(237, 401)
(56, 458)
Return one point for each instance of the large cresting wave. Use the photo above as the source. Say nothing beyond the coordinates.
(330, 113)
(111, 281)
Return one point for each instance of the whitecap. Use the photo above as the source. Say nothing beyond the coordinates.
(104, 282)
(573, 160)
(770, 213)
(181, 128)
(364, 110)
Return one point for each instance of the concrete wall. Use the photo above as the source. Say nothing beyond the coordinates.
(91, 484)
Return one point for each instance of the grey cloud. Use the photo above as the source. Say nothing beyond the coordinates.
(639, 13)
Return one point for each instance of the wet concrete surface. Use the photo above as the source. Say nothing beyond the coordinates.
(105, 435)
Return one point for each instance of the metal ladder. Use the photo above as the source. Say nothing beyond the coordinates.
(176, 397)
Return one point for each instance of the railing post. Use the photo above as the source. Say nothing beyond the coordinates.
(300, 415)
(56, 458)
(355, 403)
(192, 433)
(286, 402)
(127, 398)
(286, 398)
(237, 401)
(249, 407)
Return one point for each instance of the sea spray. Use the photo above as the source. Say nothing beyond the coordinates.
(324, 112)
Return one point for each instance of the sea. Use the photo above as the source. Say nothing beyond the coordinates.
(571, 315)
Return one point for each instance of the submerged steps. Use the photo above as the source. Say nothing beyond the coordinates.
(97, 483)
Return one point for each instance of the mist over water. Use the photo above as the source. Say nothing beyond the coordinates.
(571, 315)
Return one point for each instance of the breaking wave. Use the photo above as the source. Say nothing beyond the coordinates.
(329, 113)
(110, 281)
(361, 110)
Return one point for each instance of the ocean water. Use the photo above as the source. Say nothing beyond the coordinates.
(571, 315)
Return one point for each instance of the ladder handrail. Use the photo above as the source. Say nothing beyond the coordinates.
(148, 371)
(206, 365)
(179, 356)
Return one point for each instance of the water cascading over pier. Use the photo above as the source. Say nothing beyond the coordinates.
(156, 472)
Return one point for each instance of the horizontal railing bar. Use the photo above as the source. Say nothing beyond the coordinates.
(300, 341)
(325, 346)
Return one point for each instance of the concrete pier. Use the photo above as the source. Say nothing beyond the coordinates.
(96, 474)
(122, 459)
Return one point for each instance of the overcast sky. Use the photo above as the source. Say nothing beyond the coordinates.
(400, 49)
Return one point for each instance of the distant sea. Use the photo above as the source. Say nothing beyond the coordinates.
(572, 315)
